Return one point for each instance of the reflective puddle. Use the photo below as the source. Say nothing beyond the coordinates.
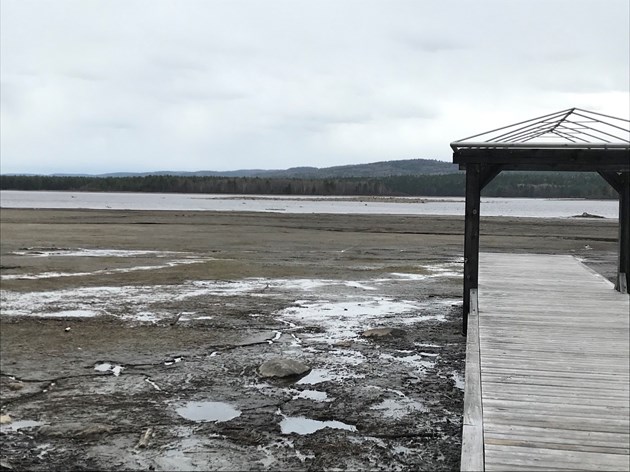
(17, 425)
(301, 425)
(208, 411)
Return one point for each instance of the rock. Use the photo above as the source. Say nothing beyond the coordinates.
(280, 367)
(144, 439)
(587, 215)
(76, 430)
(5, 419)
(381, 332)
(15, 386)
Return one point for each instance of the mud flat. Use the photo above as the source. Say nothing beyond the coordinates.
(133, 339)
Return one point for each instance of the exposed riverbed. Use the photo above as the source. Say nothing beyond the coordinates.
(133, 339)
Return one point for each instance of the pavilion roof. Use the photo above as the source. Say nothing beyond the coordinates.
(573, 128)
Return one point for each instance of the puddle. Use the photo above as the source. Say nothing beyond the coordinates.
(22, 424)
(303, 426)
(208, 411)
(107, 367)
(396, 409)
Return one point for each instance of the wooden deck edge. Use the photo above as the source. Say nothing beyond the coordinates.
(597, 275)
(472, 457)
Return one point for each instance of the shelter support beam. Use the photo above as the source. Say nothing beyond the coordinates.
(621, 183)
(477, 177)
(623, 272)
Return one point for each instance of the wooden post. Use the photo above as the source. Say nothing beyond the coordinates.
(620, 181)
(623, 271)
(471, 236)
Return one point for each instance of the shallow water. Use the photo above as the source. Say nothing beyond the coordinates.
(202, 411)
(520, 207)
(303, 426)
(22, 424)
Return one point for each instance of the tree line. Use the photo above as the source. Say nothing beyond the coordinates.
(507, 184)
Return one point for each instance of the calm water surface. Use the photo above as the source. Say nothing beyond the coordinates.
(521, 207)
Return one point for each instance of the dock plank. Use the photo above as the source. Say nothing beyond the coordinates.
(552, 338)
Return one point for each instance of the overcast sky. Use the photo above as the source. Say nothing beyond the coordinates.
(129, 85)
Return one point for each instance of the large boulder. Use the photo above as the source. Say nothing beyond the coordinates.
(280, 367)
(383, 332)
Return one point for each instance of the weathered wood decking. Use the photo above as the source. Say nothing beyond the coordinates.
(547, 370)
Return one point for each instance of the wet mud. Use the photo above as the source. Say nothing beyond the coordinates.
(133, 339)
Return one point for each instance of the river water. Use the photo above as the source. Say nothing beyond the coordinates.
(519, 207)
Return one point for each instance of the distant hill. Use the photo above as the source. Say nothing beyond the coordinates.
(375, 169)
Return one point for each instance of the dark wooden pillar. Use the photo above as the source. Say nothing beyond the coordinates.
(471, 235)
(621, 183)
(623, 272)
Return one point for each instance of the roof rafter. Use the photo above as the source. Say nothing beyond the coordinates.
(573, 127)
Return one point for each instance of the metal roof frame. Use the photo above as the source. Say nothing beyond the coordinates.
(573, 128)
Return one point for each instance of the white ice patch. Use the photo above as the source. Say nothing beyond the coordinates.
(347, 356)
(316, 376)
(314, 395)
(400, 407)
(459, 380)
(54, 275)
(359, 285)
(277, 336)
(143, 303)
(347, 319)
(66, 314)
(407, 276)
(447, 269)
(107, 367)
(415, 360)
(152, 383)
(81, 252)
(452, 268)
(143, 317)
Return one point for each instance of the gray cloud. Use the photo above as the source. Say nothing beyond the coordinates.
(128, 85)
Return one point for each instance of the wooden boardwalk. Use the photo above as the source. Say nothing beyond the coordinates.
(547, 370)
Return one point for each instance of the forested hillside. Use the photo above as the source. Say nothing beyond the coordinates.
(509, 184)
(374, 169)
